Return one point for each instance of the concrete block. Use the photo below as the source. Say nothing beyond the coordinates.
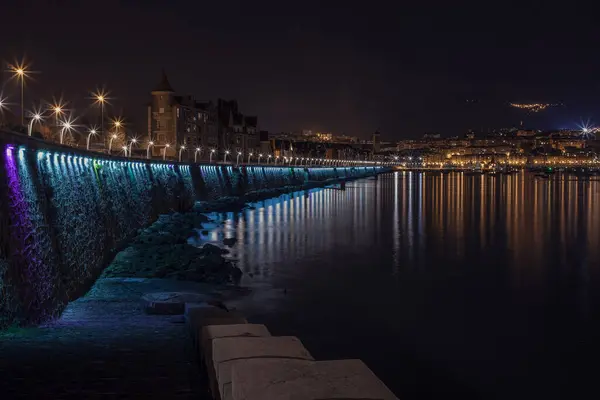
(227, 351)
(211, 332)
(227, 393)
(198, 315)
(278, 379)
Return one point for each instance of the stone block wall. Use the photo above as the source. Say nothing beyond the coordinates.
(64, 212)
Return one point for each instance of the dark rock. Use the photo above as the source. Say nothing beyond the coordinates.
(211, 249)
(169, 303)
(236, 275)
(229, 241)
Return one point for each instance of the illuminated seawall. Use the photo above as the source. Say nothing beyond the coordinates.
(64, 212)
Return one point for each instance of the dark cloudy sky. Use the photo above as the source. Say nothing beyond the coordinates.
(337, 66)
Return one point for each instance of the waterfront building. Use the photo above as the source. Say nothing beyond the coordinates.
(175, 121)
(237, 132)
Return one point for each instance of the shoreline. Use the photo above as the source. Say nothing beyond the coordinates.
(162, 250)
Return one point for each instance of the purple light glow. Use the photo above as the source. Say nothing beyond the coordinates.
(34, 284)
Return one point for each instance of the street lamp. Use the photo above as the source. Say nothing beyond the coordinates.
(212, 151)
(165, 151)
(117, 123)
(124, 150)
(57, 109)
(249, 156)
(113, 137)
(150, 144)
(36, 117)
(101, 97)
(225, 156)
(237, 161)
(90, 133)
(182, 148)
(134, 140)
(276, 159)
(67, 125)
(198, 150)
(268, 159)
(20, 72)
(259, 157)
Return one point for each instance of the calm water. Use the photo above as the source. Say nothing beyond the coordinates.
(481, 286)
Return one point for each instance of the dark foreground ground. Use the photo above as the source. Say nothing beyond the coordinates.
(104, 346)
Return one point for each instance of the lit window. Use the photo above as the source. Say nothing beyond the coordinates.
(161, 110)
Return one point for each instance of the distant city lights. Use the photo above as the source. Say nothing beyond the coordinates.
(532, 107)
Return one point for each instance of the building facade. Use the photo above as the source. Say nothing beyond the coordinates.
(180, 121)
(238, 133)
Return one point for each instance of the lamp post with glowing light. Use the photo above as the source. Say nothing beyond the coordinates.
(225, 156)
(101, 97)
(90, 133)
(276, 159)
(66, 126)
(57, 110)
(2, 105)
(237, 161)
(113, 137)
(37, 117)
(117, 124)
(124, 150)
(259, 157)
(181, 149)
(150, 144)
(268, 159)
(165, 151)
(20, 73)
(134, 140)
(212, 151)
(249, 157)
(198, 150)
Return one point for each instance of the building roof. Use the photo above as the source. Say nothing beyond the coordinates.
(164, 85)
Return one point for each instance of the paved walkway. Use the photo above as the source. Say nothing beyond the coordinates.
(104, 346)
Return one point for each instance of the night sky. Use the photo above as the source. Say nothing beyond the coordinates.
(344, 67)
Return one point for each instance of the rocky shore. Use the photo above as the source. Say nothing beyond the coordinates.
(162, 249)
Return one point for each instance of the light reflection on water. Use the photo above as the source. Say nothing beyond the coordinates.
(443, 283)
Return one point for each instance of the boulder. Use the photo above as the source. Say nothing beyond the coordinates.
(209, 249)
(229, 241)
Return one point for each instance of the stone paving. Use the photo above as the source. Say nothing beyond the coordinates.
(104, 346)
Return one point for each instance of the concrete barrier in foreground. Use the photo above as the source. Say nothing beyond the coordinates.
(244, 362)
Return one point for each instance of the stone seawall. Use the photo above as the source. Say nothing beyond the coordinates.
(64, 212)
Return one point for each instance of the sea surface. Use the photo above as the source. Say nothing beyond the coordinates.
(483, 287)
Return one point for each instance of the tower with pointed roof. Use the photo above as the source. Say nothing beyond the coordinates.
(161, 117)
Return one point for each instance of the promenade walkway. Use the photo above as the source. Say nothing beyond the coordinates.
(104, 346)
